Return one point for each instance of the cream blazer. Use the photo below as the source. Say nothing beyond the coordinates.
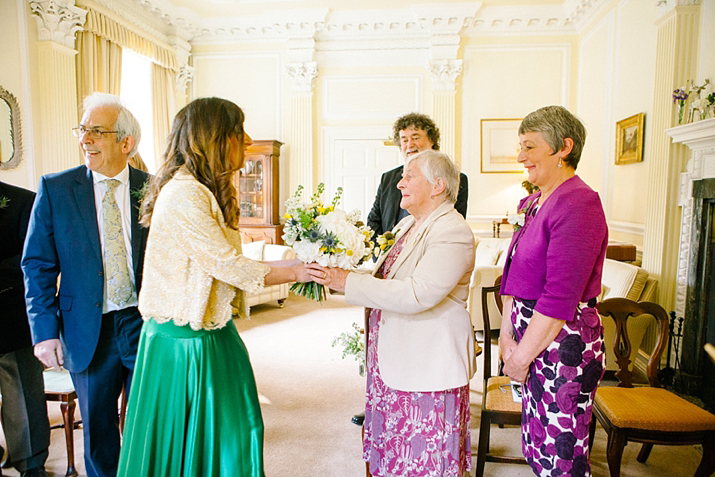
(426, 338)
(193, 268)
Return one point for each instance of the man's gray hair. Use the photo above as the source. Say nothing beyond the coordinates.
(437, 165)
(126, 125)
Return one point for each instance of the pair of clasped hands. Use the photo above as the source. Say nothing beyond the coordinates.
(333, 278)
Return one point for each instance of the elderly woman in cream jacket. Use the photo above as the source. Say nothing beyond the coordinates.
(420, 349)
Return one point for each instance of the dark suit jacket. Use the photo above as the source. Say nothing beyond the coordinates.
(63, 239)
(384, 214)
(14, 328)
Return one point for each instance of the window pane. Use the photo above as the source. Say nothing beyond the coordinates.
(136, 93)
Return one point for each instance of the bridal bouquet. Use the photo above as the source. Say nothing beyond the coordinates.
(326, 235)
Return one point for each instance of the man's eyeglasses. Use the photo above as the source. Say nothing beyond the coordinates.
(91, 133)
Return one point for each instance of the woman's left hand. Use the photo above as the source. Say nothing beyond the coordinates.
(516, 371)
(333, 278)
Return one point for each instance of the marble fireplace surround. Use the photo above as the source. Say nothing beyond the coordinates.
(693, 261)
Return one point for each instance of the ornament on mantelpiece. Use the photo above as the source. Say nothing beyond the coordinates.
(699, 102)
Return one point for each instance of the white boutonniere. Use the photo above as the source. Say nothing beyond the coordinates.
(517, 220)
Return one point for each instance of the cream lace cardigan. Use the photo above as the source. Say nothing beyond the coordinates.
(193, 268)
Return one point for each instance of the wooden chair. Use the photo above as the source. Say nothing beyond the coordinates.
(646, 414)
(59, 388)
(498, 406)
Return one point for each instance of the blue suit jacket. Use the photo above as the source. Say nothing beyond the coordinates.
(63, 240)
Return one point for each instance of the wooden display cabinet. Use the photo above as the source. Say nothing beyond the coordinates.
(258, 186)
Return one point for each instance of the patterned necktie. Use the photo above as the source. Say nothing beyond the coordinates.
(119, 285)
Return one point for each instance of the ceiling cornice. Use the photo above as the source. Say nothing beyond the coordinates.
(366, 29)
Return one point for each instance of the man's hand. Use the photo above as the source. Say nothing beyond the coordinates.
(49, 352)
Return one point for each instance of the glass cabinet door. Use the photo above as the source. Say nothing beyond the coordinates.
(251, 196)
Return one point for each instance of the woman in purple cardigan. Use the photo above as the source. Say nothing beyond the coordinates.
(551, 335)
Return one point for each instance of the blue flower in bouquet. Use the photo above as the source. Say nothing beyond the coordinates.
(326, 235)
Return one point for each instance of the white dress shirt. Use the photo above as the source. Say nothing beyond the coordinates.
(121, 195)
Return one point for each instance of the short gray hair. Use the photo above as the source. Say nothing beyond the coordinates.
(126, 125)
(437, 165)
(556, 123)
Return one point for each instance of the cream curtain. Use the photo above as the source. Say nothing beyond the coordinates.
(99, 65)
(163, 94)
(106, 27)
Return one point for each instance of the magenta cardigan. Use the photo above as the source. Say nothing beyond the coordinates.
(559, 257)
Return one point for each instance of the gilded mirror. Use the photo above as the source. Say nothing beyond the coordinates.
(10, 132)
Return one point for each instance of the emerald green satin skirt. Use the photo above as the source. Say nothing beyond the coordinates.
(193, 407)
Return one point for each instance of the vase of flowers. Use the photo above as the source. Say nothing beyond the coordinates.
(680, 96)
(326, 235)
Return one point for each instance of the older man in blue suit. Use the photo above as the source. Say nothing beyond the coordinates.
(84, 229)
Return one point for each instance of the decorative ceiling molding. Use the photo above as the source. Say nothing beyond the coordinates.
(666, 6)
(376, 28)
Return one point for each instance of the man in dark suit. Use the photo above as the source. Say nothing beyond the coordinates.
(412, 133)
(85, 229)
(24, 410)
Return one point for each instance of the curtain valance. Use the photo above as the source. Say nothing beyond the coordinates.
(103, 26)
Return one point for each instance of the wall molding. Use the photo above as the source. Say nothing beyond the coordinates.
(632, 228)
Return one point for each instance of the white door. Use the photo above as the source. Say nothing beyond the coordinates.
(356, 164)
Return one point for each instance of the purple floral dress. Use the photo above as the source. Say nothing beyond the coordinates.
(559, 392)
(407, 433)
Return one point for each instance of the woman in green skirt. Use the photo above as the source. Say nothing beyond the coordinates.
(193, 407)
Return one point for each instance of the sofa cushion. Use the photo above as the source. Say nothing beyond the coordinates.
(253, 250)
(491, 251)
(622, 279)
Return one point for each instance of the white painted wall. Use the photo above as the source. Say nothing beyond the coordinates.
(14, 77)
(505, 81)
(253, 80)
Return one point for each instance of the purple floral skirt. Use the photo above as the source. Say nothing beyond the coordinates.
(413, 434)
(559, 392)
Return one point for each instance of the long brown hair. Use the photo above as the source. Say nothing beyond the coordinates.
(200, 140)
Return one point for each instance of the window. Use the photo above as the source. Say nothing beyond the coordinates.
(136, 92)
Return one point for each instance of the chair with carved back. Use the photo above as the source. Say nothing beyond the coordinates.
(498, 405)
(646, 414)
(59, 388)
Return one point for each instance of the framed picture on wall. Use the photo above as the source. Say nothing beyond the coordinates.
(629, 139)
(499, 139)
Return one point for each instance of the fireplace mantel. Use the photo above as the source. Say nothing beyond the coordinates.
(698, 135)
(697, 192)
(700, 138)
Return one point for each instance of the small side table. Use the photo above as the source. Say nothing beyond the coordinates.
(623, 252)
(496, 224)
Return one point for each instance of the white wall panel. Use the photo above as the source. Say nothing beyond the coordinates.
(370, 97)
(253, 81)
(595, 104)
(505, 81)
(635, 50)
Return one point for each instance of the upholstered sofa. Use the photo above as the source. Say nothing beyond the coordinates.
(620, 279)
(260, 250)
(488, 265)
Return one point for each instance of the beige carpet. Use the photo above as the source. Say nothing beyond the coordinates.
(309, 393)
